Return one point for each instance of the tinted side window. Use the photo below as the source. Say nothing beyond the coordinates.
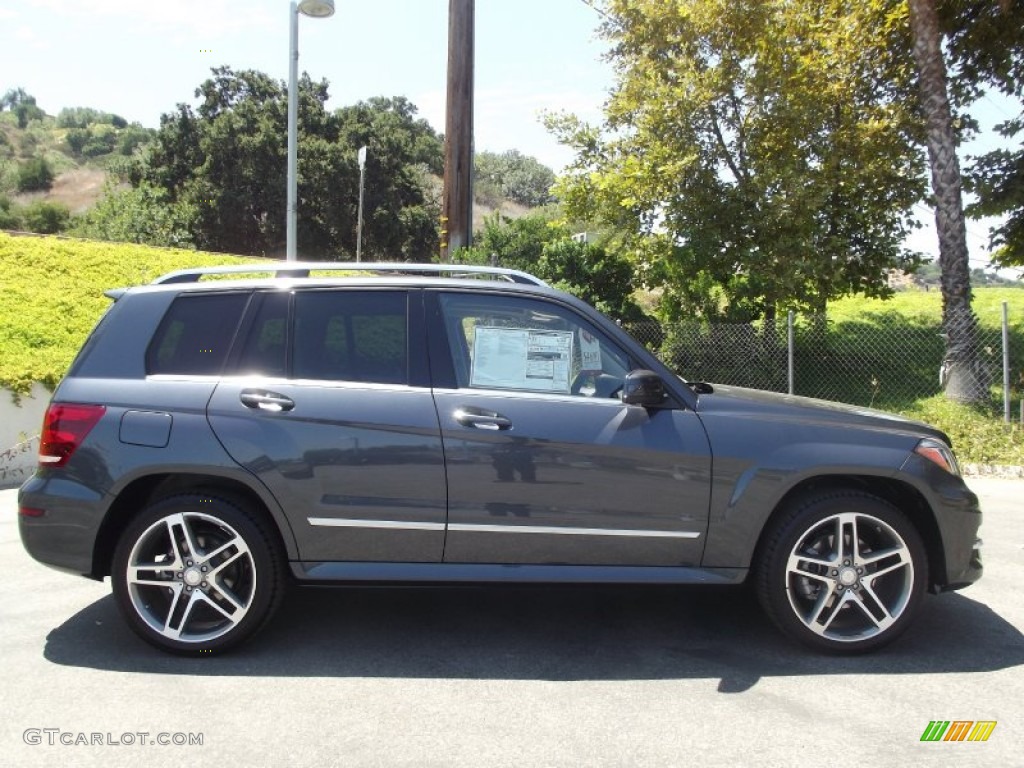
(351, 336)
(264, 350)
(516, 343)
(195, 334)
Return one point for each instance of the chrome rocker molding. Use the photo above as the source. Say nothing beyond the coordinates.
(469, 528)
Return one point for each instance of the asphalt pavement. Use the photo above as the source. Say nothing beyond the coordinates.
(531, 676)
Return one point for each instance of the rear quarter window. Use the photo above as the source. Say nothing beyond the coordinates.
(195, 335)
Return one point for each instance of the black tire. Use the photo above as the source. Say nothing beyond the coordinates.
(217, 574)
(842, 599)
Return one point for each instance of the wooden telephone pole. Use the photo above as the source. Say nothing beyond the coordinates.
(457, 204)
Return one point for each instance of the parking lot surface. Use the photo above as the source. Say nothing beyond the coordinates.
(511, 676)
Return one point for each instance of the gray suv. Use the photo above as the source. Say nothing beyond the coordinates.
(216, 440)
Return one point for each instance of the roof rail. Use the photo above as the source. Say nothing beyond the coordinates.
(300, 269)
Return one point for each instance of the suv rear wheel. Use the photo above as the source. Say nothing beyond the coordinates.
(842, 572)
(196, 574)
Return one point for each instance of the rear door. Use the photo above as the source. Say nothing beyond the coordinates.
(545, 464)
(331, 409)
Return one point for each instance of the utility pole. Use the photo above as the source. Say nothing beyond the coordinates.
(457, 205)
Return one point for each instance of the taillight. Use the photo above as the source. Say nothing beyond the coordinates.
(64, 429)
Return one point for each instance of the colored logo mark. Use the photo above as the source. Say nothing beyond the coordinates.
(958, 730)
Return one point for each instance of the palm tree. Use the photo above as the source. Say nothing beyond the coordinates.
(959, 325)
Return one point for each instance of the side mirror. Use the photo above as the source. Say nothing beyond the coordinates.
(644, 388)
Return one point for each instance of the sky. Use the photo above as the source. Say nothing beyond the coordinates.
(139, 58)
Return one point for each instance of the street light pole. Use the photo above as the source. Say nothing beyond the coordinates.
(317, 9)
(359, 223)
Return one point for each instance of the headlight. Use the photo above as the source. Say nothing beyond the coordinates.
(938, 452)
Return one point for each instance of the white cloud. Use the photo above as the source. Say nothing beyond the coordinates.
(26, 35)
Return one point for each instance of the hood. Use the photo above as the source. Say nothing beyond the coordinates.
(759, 404)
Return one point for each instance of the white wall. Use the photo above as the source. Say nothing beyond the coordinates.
(19, 434)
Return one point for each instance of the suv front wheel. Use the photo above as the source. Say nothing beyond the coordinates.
(196, 574)
(843, 572)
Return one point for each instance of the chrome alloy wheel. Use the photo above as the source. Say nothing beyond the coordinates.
(191, 577)
(850, 577)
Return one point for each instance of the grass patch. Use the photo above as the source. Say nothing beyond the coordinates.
(886, 354)
(979, 434)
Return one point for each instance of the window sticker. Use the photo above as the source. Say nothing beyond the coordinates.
(590, 352)
(518, 358)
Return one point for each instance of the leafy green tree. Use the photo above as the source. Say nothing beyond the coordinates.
(403, 152)
(226, 160)
(592, 273)
(34, 175)
(13, 97)
(133, 137)
(82, 117)
(514, 176)
(142, 214)
(76, 139)
(514, 243)
(541, 245)
(984, 44)
(46, 218)
(998, 180)
(22, 105)
(754, 156)
(101, 141)
(10, 216)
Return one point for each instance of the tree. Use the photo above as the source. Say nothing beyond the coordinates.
(102, 140)
(82, 117)
(404, 153)
(34, 175)
(592, 273)
(225, 160)
(513, 243)
(537, 243)
(754, 156)
(514, 176)
(76, 139)
(142, 214)
(22, 105)
(10, 216)
(46, 218)
(959, 324)
(998, 180)
(984, 41)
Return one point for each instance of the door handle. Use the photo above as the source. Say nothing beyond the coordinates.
(266, 401)
(468, 417)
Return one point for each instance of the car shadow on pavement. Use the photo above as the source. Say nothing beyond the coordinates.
(543, 633)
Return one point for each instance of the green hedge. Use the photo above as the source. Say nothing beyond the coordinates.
(51, 295)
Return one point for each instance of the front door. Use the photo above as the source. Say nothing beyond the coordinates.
(545, 464)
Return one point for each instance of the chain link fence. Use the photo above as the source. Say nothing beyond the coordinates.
(880, 360)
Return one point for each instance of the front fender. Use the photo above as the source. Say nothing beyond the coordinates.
(747, 489)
